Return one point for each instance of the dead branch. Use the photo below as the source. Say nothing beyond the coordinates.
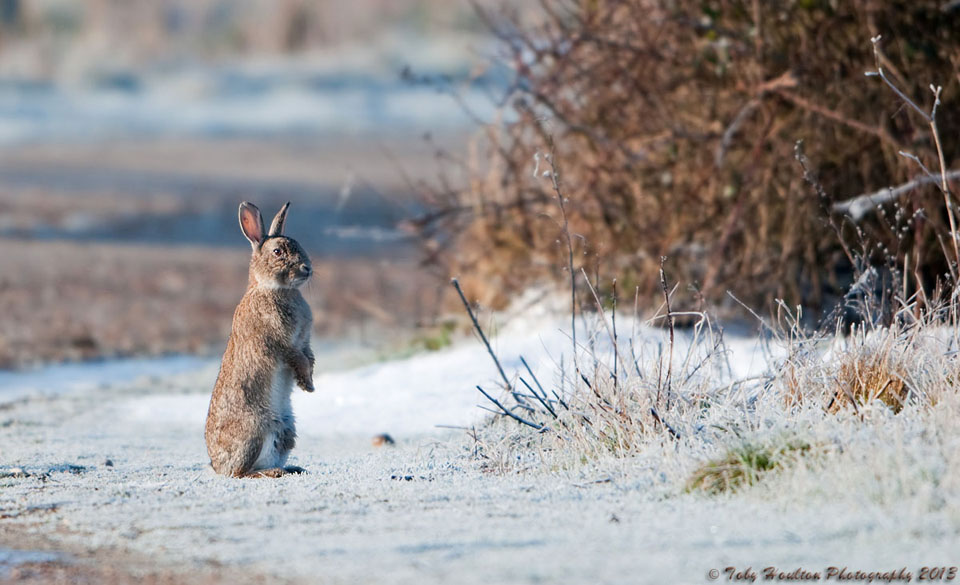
(858, 207)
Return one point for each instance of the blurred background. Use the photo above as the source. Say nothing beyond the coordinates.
(131, 130)
(406, 133)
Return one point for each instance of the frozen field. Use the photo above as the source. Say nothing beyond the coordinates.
(108, 462)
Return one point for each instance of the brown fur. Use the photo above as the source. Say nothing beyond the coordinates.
(250, 427)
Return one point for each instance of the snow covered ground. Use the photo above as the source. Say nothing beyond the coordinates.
(111, 457)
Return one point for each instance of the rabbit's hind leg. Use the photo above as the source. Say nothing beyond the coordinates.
(287, 437)
(286, 440)
(235, 458)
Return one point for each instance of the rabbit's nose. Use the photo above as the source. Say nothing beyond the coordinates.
(305, 269)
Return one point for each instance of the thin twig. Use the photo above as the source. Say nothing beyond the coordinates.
(542, 401)
(537, 382)
(509, 413)
(931, 119)
(879, 73)
(806, 104)
(666, 299)
(483, 337)
(822, 198)
(656, 417)
(555, 181)
(616, 346)
(534, 394)
(611, 333)
(633, 332)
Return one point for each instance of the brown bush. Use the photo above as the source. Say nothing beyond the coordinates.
(673, 125)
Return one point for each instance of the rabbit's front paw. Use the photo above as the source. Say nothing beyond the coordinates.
(306, 384)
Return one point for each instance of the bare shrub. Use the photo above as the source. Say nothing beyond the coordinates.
(856, 396)
(675, 123)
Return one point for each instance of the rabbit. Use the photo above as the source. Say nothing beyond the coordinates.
(250, 426)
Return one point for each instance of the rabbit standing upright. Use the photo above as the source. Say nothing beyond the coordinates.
(250, 427)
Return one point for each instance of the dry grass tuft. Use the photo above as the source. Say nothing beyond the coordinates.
(863, 377)
(907, 362)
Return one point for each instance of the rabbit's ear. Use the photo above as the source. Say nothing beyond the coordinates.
(251, 223)
(276, 228)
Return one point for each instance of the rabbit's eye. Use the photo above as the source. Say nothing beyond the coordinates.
(277, 252)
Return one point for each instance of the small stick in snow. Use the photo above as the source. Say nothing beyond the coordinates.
(476, 325)
(539, 399)
(537, 382)
(560, 400)
(616, 346)
(508, 412)
(656, 417)
(666, 299)
(555, 182)
(612, 334)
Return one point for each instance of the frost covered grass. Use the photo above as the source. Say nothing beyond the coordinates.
(867, 413)
(745, 465)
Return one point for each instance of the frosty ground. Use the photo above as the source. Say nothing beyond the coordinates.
(106, 463)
